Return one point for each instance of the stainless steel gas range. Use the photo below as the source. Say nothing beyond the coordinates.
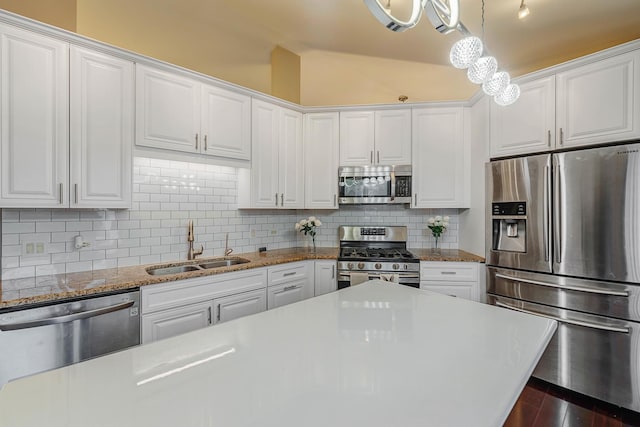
(376, 252)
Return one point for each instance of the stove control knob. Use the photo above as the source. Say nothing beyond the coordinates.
(395, 266)
(378, 266)
(350, 266)
(361, 265)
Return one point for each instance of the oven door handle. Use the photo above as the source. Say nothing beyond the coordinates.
(377, 275)
(568, 321)
(601, 291)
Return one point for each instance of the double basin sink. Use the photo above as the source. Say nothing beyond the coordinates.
(196, 266)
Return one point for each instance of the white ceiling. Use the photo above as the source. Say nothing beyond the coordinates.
(556, 30)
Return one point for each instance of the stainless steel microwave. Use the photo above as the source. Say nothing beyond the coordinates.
(358, 185)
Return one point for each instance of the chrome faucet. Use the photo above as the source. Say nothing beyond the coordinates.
(192, 254)
(227, 249)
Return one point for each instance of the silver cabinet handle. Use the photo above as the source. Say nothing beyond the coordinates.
(561, 136)
(61, 193)
(205, 143)
(371, 156)
(378, 154)
(449, 272)
(276, 199)
(415, 200)
(66, 318)
(290, 288)
(196, 141)
(75, 193)
(281, 199)
(594, 290)
(549, 138)
(567, 321)
(289, 274)
(335, 199)
(209, 317)
(333, 271)
(218, 315)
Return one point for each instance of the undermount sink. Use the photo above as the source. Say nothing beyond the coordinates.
(192, 266)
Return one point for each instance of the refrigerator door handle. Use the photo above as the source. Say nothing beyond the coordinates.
(567, 321)
(547, 214)
(594, 290)
(557, 213)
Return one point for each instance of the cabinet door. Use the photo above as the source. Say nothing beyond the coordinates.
(265, 122)
(101, 130)
(393, 137)
(291, 160)
(599, 102)
(528, 125)
(226, 123)
(244, 304)
(356, 138)
(287, 293)
(440, 158)
(176, 321)
(325, 277)
(167, 111)
(34, 155)
(321, 152)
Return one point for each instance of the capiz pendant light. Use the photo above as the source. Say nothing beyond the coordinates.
(482, 70)
(508, 95)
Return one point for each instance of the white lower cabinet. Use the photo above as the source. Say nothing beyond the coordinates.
(239, 305)
(325, 277)
(173, 308)
(176, 321)
(458, 279)
(289, 283)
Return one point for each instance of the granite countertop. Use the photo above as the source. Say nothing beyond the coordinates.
(373, 355)
(42, 289)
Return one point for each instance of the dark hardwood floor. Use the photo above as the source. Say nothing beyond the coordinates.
(545, 405)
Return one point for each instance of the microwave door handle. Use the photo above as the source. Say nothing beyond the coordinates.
(393, 185)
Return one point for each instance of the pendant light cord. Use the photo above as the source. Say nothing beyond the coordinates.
(483, 22)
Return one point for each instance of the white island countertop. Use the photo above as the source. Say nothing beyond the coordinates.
(376, 354)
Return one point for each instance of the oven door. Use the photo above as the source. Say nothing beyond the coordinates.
(408, 279)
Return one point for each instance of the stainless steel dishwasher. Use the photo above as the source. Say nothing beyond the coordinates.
(48, 337)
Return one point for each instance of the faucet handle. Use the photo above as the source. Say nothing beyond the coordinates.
(199, 252)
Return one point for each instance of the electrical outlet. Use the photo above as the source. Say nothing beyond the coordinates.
(34, 248)
(253, 232)
(274, 232)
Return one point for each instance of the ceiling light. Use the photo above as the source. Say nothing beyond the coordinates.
(383, 14)
(465, 52)
(523, 12)
(482, 70)
(496, 84)
(387, 7)
(508, 95)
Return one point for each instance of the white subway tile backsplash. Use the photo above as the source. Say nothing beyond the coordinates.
(167, 194)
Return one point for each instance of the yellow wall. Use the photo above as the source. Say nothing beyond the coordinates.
(285, 74)
(164, 29)
(331, 78)
(59, 13)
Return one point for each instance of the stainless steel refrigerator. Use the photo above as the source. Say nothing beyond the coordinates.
(563, 241)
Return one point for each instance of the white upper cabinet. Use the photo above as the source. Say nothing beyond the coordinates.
(276, 177)
(381, 137)
(64, 144)
(321, 151)
(101, 130)
(441, 159)
(599, 102)
(528, 125)
(226, 118)
(181, 114)
(393, 137)
(591, 104)
(167, 110)
(35, 120)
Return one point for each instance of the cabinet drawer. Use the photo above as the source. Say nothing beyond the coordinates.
(288, 293)
(459, 290)
(449, 271)
(288, 272)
